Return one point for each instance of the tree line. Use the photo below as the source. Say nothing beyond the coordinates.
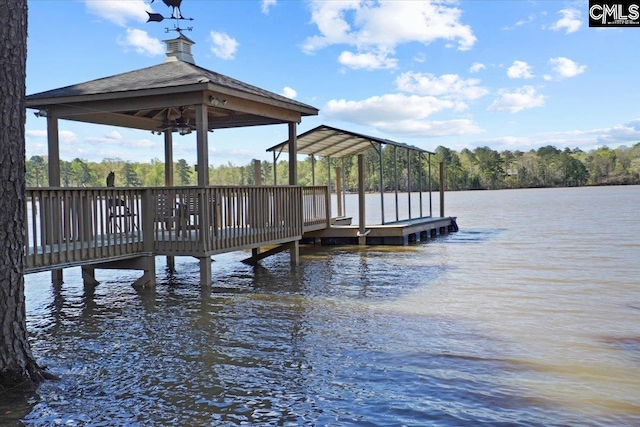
(477, 169)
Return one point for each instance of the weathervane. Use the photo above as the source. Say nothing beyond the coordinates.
(175, 14)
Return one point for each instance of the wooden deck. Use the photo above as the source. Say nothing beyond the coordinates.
(126, 228)
(83, 227)
(395, 233)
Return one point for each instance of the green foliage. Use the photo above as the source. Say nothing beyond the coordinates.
(481, 168)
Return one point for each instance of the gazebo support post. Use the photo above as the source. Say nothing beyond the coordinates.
(168, 180)
(202, 148)
(202, 126)
(313, 170)
(205, 272)
(257, 181)
(293, 180)
(53, 144)
(293, 154)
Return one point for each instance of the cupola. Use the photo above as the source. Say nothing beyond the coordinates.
(179, 49)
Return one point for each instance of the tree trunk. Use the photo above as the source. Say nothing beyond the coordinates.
(17, 367)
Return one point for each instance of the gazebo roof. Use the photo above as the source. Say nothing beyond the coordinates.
(153, 98)
(329, 141)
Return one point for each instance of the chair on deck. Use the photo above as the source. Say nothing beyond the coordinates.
(168, 213)
(120, 215)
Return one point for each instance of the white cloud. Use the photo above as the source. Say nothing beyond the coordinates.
(571, 21)
(112, 137)
(420, 57)
(386, 108)
(519, 70)
(400, 114)
(620, 134)
(119, 12)
(547, 77)
(68, 137)
(522, 99)
(565, 67)
(447, 86)
(376, 28)
(223, 46)
(476, 67)
(289, 92)
(367, 61)
(35, 133)
(65, 136)
(266, 5)
(624, 134)
(142, 42)
(415, 128)
(521, 22)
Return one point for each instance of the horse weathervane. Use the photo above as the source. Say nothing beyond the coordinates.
(175, 14)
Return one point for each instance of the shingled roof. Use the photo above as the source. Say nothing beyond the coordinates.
(166, 75)
(153, 98)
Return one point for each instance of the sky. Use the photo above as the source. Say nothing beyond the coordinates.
(507, 74)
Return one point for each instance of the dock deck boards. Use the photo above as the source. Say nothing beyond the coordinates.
(393, 233)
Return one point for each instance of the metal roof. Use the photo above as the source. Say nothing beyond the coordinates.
(326, 141)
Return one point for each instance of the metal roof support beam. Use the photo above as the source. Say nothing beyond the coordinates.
(329, 180)
(430, 199)
(442, 181)
(395, 167)
(339, 191)
(344, 197)
(420, 180)
(409, 180)
(362, 234)
(275, 168)
(381, 183)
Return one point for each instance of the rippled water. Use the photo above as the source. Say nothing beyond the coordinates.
(530, 315)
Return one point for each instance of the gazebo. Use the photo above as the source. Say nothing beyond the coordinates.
(175, 97)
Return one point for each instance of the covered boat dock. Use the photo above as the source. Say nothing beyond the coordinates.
(333, 143)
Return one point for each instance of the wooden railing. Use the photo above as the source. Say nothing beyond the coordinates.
(67, 227)
(315, 203)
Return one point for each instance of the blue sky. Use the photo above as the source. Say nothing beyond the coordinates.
(513, 75)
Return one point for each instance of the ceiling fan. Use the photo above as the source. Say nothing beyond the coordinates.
(177, 122)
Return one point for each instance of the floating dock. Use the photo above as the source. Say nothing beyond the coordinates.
(395, 233)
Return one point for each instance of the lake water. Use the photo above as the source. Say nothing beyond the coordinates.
(529, 315)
